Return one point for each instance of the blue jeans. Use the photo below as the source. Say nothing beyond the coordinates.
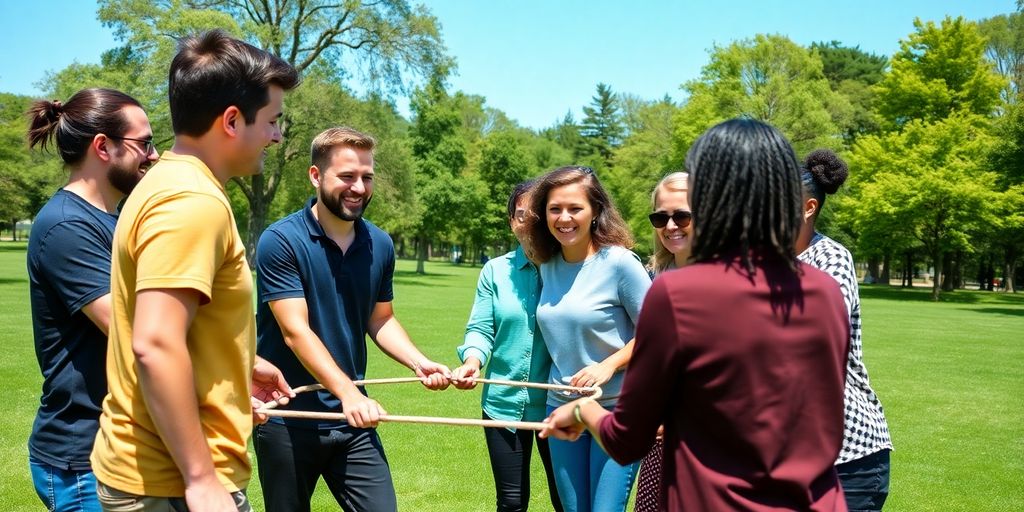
(588, 480)
(64, 490)
(865, 481)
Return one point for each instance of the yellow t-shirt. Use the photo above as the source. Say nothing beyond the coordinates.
(176, 230)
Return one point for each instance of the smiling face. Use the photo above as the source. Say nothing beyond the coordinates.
(677, 240)
(569, 215)
(345, 187)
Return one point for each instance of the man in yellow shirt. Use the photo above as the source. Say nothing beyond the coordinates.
(176, 421)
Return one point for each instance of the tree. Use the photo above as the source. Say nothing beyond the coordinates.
(502, 166)
(602, 127)
(1009, 231)
(640, 163)
(1004, 47)
(929, 179)
(768, 78)
(27, 179)
(442, 197)
(386, 43)
(937, 71)
(567, 134)
(851, 72)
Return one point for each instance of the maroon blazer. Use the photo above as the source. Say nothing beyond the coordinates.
(746, 372)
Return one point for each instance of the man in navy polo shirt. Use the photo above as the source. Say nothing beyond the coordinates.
(104, 138)
(324, 282)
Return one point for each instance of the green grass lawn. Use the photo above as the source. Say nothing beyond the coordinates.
(950, 374)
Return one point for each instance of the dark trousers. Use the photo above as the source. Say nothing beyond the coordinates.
(865, 481)
(510, 462)
(351, 461)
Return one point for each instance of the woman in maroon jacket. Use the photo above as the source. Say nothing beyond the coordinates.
(742, 354)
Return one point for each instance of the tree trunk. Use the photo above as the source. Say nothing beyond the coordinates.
(873, 270)
(948, 275)
(937, 262)
(422, 254)
(14, 229)
(886, 272)
(908, 271)
(1009, 270)
(958, 270)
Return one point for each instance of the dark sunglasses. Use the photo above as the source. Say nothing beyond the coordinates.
(680, 217)
(147, 144)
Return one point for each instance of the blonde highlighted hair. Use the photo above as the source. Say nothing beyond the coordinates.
(662, 259)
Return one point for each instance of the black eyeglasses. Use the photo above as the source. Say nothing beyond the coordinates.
(680, 217)
(148, 144)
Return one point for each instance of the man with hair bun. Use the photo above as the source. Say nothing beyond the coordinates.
(863, 463)
(104, 138)
(324, 283)
(181, 364)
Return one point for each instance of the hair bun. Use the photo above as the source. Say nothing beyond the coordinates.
(828, 170)
(52, 110)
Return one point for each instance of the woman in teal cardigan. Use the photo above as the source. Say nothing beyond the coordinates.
(502, 335)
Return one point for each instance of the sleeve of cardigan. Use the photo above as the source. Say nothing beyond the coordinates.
(628, 433)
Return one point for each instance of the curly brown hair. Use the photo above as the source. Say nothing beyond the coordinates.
(608, 228)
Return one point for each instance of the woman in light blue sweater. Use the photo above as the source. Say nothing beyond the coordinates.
(593, 286)
(502, 335)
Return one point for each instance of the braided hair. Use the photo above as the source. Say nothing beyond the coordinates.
(746, 193)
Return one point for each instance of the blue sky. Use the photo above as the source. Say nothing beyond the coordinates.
(536, 59)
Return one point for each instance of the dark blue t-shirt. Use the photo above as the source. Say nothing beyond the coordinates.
(68, 267)
(296, 259)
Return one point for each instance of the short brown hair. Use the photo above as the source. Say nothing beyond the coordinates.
(213, 71)
(607, 229)
(340, 136)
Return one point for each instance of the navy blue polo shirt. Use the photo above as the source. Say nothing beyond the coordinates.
(68, 267)
(295, 258)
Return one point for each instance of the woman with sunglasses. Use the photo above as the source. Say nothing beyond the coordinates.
(740, 354)
(502, 334)
(863, 463)
(590, 301)
(672, 238)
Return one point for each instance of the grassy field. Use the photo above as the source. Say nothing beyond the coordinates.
(951, 376)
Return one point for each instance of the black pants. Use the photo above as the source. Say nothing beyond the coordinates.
(865, 482)
(351, 461)
(510, 462)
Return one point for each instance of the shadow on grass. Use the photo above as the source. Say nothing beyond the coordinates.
(411, 278)
(998, 311)
(954, 297)
(18, 246)
(14, 280)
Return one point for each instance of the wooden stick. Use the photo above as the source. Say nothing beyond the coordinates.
(525, 425)
(270, 407)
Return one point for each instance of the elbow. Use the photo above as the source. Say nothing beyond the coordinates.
(149, 349)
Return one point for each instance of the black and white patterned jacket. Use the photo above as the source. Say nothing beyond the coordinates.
(865, 430)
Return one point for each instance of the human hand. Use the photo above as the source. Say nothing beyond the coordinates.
(209, 495)
(464, 377)
(268, 384)
(361, 411)
(562, 424)
(433, 375)
(593, 375)
(661, 433)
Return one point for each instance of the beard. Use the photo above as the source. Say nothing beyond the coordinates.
(123, 178)
(334, 205)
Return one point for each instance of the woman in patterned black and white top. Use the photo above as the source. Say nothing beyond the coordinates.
(863, 463)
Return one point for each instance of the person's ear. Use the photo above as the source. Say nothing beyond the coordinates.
(101, 146)
(231, 120)
(314, 176)
(810, 208)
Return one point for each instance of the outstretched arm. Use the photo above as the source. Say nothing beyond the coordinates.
(390, 336)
